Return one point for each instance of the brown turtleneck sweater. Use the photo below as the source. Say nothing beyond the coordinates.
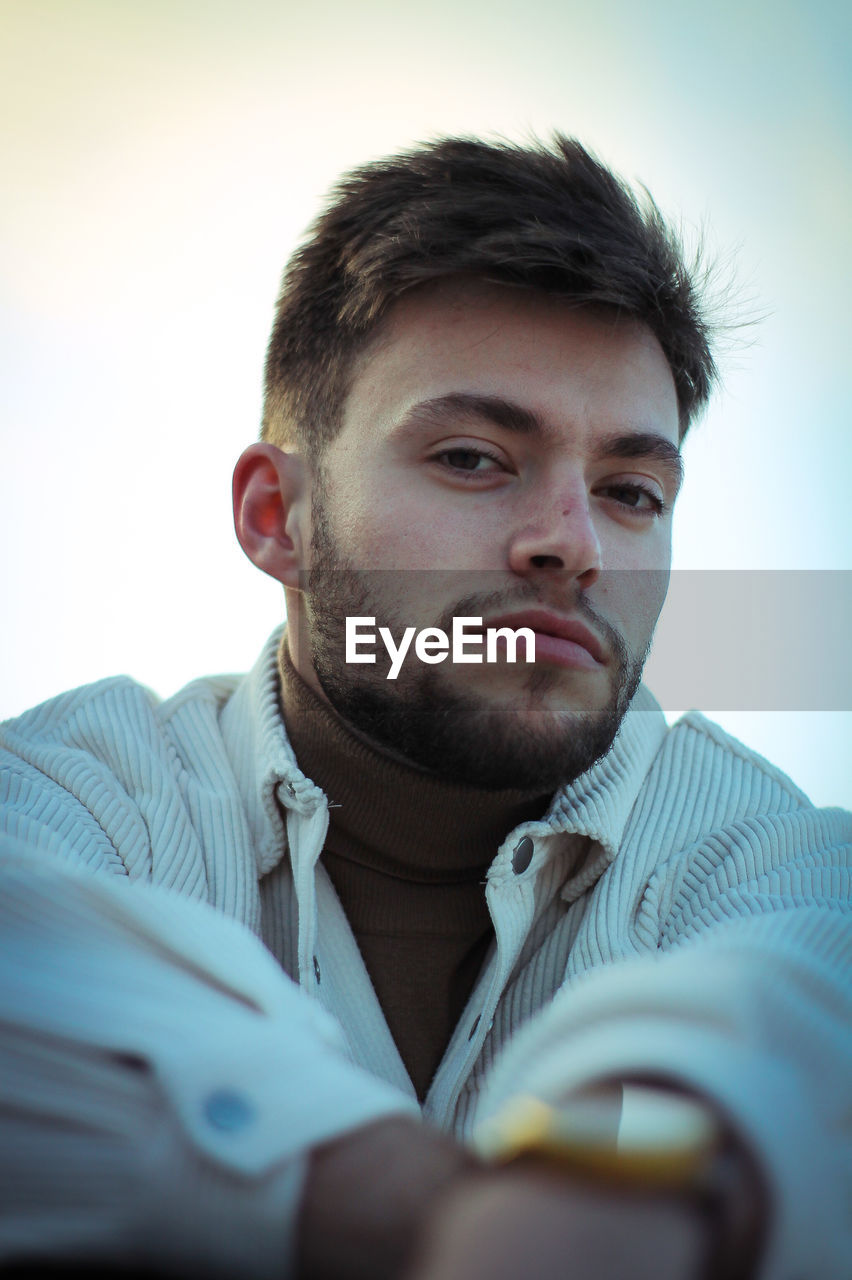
(407, 853)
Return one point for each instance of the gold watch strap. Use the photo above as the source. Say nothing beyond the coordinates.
(649, 1140)
(655, 1139)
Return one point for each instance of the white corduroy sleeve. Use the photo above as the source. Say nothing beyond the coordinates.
(161, 1079)
(747, 999)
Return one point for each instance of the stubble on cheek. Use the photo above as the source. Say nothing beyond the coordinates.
(524, 727)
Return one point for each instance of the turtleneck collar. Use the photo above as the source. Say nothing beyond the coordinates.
(389, 815)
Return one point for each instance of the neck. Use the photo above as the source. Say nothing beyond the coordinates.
(407, 854)
(413, 822)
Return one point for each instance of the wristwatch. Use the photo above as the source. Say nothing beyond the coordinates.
(646, 1139)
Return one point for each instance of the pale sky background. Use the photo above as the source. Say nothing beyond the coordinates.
(161, 159)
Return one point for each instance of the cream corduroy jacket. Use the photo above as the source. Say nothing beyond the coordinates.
(184, 1011)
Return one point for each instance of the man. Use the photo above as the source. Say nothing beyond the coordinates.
(261, 929)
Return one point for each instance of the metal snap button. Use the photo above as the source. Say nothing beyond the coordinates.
(522, 856)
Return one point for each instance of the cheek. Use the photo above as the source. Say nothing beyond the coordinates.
(404, 533)
(631, 599)
(388, 537)
(651, 595)
(371, 522)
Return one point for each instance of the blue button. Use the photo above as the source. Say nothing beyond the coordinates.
(228, 1110)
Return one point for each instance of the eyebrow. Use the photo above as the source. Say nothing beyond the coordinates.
(464, 404)
(645, 445)
(629, 445)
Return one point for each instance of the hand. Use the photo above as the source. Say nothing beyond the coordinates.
(367, 1195)
(399, 1199)
(525, 1221)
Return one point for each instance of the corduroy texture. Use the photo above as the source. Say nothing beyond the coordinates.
(685, 911)
(407, 853)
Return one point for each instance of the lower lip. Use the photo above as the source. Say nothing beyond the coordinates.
(563, 653)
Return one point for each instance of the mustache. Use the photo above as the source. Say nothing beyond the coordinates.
(570, 603)
(560, 593)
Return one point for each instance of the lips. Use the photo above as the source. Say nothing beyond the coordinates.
(565, 641)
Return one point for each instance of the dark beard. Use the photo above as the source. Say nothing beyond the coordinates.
(425, 721)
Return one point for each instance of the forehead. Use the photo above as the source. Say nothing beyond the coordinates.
(583, 371)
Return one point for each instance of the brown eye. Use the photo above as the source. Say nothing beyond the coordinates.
(635, 498)
(463, 459)
(628, 494)
(468, 462)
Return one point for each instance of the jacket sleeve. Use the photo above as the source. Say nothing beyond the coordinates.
(739, 989)
(161, 1079)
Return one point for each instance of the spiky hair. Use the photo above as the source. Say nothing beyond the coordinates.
(543, 217)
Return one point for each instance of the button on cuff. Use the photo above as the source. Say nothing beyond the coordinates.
(228, 1110)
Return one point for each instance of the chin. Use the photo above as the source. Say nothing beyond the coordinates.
(544, 693)
(527, 739)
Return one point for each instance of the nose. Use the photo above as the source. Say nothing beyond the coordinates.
(560, 535)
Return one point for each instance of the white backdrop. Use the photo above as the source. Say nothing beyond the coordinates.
(162, 158)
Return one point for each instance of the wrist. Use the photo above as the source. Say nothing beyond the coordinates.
(528, 1218)
(664, 1145)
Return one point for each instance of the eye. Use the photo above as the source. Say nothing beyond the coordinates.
(635, 498)
(468, 461)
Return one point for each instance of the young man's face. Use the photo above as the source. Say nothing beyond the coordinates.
(502, 456)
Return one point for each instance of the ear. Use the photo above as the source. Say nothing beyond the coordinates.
(272, 510)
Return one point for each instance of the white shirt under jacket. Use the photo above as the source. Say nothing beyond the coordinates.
(684, 912)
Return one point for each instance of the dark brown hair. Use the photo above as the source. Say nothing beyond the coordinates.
(551, 218)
